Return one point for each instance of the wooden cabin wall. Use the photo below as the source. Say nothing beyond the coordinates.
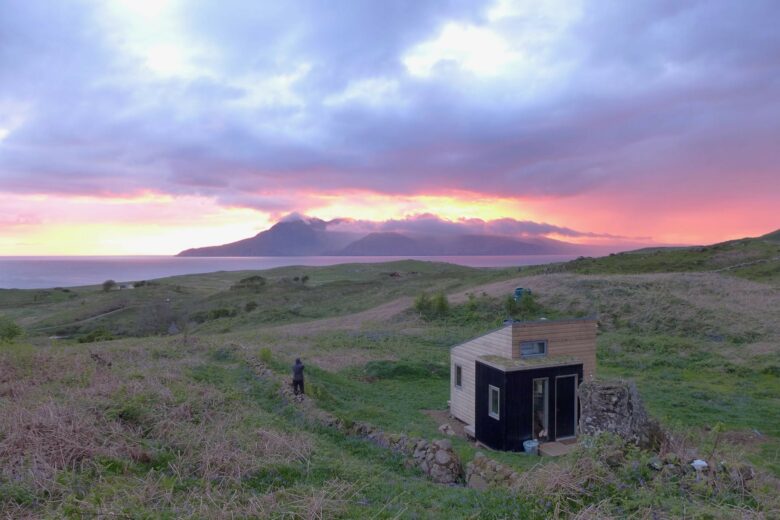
(498, 343)
(571, 338)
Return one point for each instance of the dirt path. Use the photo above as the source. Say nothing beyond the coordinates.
(383, 312)
(85, 320)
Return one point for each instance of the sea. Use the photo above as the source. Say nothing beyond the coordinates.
(40, 272)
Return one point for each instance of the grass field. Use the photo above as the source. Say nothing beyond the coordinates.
(179, 426)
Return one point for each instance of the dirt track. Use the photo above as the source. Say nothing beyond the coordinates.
(659, 302)
(383, 312)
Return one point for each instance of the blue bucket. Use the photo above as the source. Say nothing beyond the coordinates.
(531, 447)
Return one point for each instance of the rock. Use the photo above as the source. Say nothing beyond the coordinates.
(446, 429)
(745, 472)
(443, 457)
(656, 464)
(672, 458)
(443, 475)
(477, 482)
(699, 465)
(443, 444)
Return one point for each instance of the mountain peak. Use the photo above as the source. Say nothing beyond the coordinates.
(299, 235)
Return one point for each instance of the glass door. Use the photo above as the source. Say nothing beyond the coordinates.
(539, 411)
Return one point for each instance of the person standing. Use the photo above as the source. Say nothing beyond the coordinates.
(297, 370)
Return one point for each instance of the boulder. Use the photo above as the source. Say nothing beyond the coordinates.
(442, 457)
(477, 482)
(443, 444)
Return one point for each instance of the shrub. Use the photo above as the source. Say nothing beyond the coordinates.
(250, 306)
(214, 314)
(100, 334)
(423, 304)
(266, 356)
(440, 305)
(108, 285)
(251, 283)
(9, 331)
(528, 308)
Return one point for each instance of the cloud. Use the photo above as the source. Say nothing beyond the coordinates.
(429, 224)
(514, 99)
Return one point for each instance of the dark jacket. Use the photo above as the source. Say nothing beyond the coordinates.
(297, 372)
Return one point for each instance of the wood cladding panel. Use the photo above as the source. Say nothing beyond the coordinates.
(498, 343)
(575, 338)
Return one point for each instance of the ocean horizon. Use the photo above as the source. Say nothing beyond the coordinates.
(43, 272)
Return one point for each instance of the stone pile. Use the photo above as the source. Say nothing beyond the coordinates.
(616, 407)
(446, 429)
(436, 459)
(722, 473)
(483, 473)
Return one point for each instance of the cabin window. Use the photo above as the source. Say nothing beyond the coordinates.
(529, 349)
(494, 402)
(458, 376)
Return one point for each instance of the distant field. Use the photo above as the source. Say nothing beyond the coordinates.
(179, 426)
(218, 303)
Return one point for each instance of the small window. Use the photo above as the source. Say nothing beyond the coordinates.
(533, 348)
(458, 376)
(494, 402)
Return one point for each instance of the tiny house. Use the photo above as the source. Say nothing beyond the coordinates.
(520, 382)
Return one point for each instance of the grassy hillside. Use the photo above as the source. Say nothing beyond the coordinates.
(751, 258)
(219, 302)
(180, 426)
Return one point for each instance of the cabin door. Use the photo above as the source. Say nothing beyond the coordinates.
(565, 406)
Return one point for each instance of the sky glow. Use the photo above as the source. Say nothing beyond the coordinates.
(147, 127)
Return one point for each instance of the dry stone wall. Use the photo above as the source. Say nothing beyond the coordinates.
(616, 407)
(483, 473)
(436, 459)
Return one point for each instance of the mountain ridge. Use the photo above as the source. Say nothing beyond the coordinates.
(311, 237)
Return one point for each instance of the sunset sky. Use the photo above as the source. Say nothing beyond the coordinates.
(151, 126)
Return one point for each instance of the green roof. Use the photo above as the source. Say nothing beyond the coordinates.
(528, 363)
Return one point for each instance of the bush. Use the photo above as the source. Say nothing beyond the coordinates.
(250, 306)
(440, 305)
(9, 331)
(527, 308)
(251, 283)
(108, 285)
(266, 356)
(214, 314)
(432, 307)
(100, 334)
(423, 304)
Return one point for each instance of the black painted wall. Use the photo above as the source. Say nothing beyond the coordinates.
(489, 431)
(515, 425)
